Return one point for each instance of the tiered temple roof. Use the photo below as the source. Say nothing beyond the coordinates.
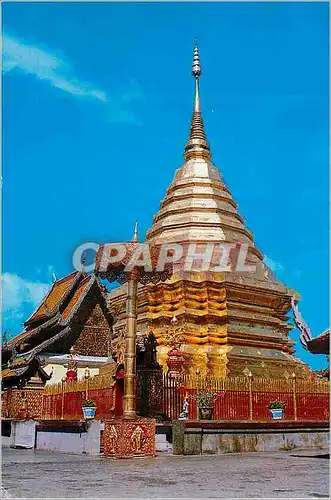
(73, 313)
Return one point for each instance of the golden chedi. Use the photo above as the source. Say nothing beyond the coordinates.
(231, 321)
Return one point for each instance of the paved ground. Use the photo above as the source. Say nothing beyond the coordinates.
(38, 474)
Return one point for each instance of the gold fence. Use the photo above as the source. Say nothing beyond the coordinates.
(249, 398)
(88, 384)
(64, 400)
(199, 382)
(238, 397)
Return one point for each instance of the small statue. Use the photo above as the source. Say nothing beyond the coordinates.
(72, 368)
(113, 439)
(138, 438)
(118, 348)
(23, 414)
(150, 345)
(174, 336)
(121, 352)
(184, 414)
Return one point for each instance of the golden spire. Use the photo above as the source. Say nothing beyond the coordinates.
(197, 145)
(135, 232)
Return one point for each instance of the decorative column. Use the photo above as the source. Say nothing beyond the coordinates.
(129, 398)
(126, 262)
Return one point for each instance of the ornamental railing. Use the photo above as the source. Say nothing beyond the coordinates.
(246, 398)
(241, 398)
(64, 400)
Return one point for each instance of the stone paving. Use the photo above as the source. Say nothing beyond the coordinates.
(40, 474)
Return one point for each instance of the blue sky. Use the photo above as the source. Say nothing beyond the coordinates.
(97, 100)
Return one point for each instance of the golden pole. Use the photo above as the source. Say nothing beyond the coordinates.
(294, 397)
(62, 404)
(250, 384)
(129, 410)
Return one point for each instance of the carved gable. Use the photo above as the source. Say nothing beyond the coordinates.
(95, 334)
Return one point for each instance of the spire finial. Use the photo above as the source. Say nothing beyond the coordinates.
(197, 146)
(135, 232)
(196, 68)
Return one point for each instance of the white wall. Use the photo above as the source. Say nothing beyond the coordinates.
(59, 371)
(66, 442)
(23, 433)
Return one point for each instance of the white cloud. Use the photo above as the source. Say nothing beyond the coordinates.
(273, 265)
(46, 66)
(17, 291)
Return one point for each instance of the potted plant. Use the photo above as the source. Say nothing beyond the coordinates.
(205, 400)
(277, 410)
(89, 408)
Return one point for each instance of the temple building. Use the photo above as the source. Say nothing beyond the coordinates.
(226, 323)
(69, 331)
(229, 321)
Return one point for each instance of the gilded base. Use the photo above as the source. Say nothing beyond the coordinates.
(129, 438)
(227, 326)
